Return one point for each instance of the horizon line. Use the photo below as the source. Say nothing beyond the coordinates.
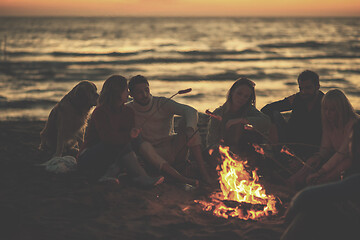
(190, 16)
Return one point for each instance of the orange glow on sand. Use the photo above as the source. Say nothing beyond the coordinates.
(180, 8)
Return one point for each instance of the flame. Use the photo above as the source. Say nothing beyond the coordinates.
(211, 151)
(240, 188)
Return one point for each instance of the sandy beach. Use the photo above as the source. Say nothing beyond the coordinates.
(36, 204)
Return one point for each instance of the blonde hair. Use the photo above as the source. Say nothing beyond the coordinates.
(341, 104)
(111, 89)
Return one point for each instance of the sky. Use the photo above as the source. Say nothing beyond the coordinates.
(180, 8)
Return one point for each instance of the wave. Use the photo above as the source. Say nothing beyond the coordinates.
(124, 54)
(194, 96)
(307, 44)
(26, 103)
(151, 60)
(205, 53)
(337, 80)
(75, 54)
(228, 75)
(355, 71)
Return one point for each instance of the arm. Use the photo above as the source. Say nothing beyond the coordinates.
(259, 120)
(189, 113)
(325, 152)
(336, 172)
(279, 106)
(342, 153)
(339, 162)
(326, 148)
(214, 131)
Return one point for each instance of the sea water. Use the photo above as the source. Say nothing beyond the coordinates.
(43, 58)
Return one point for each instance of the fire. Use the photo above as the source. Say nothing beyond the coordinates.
(241, 195)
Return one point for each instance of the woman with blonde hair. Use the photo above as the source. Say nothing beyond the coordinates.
(332, 160)
(331, 210)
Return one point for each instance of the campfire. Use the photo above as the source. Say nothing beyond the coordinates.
(241, 195)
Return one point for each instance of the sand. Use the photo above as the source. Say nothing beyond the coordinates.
(38, 205)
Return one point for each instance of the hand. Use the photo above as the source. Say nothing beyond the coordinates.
(236, 121)
(134, 133)
(313, 178)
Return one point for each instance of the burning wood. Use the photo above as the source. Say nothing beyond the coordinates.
(241, 195)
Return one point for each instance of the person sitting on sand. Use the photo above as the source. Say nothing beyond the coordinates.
(338, 117)
(238, 110)
(155, 117)
(332, 210)
(304, 125)
(108, 136)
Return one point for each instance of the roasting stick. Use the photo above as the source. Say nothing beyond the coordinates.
(179, 92)
(250, 127)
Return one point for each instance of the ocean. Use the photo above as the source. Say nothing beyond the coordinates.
(42, 58)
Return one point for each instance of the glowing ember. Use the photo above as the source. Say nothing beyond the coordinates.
(248, 127)
(286, 150)
(211, 151)
(258, 149)
(185, 208)
(241, 196)
(211, 114)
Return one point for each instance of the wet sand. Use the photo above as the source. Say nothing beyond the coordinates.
(36, 204)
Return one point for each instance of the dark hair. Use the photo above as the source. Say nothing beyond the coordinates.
(111, 89)
(239, 82)
(309, 75)
(137, 80)
(355, 148)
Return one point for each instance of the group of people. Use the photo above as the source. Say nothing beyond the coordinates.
(119, 132)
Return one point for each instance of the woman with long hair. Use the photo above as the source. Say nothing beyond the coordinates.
(331, 210)
(238, 110)
(107, 145)
(332, 160)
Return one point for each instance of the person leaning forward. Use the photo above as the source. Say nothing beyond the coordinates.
(304, 125)
(155, 117)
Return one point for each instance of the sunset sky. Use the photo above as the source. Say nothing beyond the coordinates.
(179, 8)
